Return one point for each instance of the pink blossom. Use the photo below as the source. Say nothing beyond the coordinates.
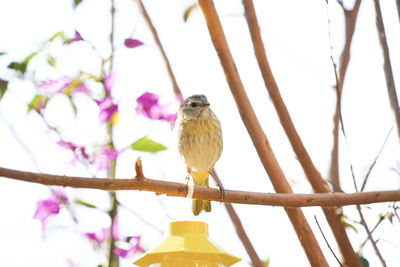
(77, 38)
(99, 237)
(108, 81)
(102, 159)
(132, 43)
(50, 206)
(132, 248)
(62, 84)
(147, 105)
(76, 149)
(107, 108)
(55, 86)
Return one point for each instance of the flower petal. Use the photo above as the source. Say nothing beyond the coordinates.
(132, 43)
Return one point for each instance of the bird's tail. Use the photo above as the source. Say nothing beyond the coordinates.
(200, 178)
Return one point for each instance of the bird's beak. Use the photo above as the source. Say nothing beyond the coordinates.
(205, 104)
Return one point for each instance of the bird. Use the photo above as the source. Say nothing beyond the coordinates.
(199, 143)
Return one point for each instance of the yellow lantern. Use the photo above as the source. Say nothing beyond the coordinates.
(187, 246)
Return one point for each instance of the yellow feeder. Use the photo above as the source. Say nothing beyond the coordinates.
(187, 246)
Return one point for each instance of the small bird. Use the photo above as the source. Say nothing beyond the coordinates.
(200, 142)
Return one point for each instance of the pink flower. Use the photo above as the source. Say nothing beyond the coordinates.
(132, 247)
(62, 85)
(99, 237)
(76, 149)
(102, 159)
(108, 81)
(50, 206)
(55, 86)
(77, 38)
(107, 108)
(147, 105)
(132, 43)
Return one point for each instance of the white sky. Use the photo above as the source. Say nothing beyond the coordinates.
(297, 42)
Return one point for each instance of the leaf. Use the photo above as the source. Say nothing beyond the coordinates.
(84, 203)
(51, 60)
(3, 87)
(364, 261)
(57, 34)
(38, 102)
(266, 263)
(2, 53)
(77, 2)
(147, 145)
(72, 104)
(348, 224)
(22, 66)
(188, 11)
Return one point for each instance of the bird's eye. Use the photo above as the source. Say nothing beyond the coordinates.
(193, 104)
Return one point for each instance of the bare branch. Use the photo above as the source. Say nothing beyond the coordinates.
(364, 224)
(205, 193)
(153, 30)
(262, 146)
(387, 66)
(312, 174)
(255, 260)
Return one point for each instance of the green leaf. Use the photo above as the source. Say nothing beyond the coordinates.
(72, 104)
(364, 261)
(188, 11)
(3, 87)
(51, 60)
(266, 263)
(84, 203)
(77, 2)
(38, 102)
(147, 145)
(2, 53)
(57, 34)
(349, 225)
(22, 66)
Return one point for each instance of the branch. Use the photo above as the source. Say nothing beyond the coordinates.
(153, 30)
(205, 193)
(255, 260)
(350, 20)
(371, 239)
(387, 66)
(262, 146)
(314, 177)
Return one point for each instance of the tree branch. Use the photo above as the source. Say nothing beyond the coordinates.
(260, 141)
(387, 66)
(310, 170)
(205, 193)
(153, 30)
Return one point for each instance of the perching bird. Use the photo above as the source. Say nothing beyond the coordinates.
(200, 142)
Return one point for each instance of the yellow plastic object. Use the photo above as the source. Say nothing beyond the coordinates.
(187, 246)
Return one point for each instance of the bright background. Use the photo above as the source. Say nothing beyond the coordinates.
(297, 42)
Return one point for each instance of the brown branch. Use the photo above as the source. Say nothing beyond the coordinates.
(387, 66)
(364, 224)
(255, 260)
(262, 146)
(311, 172)
(350, 21)
(153, 30)
(205, 193)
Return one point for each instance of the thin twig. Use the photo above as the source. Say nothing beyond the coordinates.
(326, 241)
(153, 30)
(375, 160)
(255, 259)
(387, 66)
(369, 233)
